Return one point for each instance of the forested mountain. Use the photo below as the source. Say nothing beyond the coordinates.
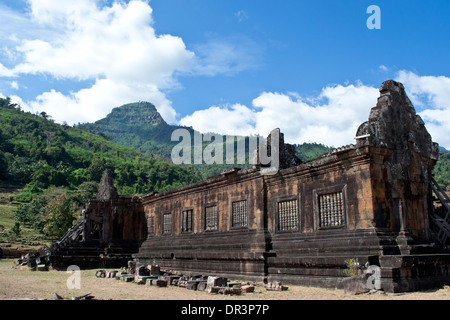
(55, 161)
(139, 126)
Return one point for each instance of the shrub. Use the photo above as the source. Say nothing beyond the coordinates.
(352, 267)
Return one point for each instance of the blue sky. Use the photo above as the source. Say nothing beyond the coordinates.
(311, 68)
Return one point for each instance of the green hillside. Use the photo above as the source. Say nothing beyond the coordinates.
(58, 168)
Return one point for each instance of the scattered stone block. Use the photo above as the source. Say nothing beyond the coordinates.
(214, 283)
(233, 284)
(42, 267)
(248, 288)
(192, 285)
(119, 275)
(275, 286)
(154, 270)
(356, 284)
(139, 280)
(100, 274)
(202, 285)
(172, 279)
(161, 283)
(229, 290)
(127, 278)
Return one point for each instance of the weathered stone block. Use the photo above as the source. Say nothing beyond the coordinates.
(100, 273)
(154, 270)
(202, 285)
(248, 288)
(276, 286)
(192, 285)
(42, 267)
(214, 282)
(356, 284)
(161, 283)
(127, 278)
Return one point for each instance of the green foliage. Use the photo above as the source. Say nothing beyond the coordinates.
(85, 191)
(56, 209)
(61, 166)
(60, 214)
(441, 171)
(96, 168)
(38, 151)
(27, 193)
(3, 166)
(14, 232)
(78, 176)
(352, 267)
(6, 103)
(30, 213)
(309, 151)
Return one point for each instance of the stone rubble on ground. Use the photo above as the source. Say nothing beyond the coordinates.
(152, 275)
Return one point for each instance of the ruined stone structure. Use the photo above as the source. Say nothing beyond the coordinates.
(370, 201)
(110, 230)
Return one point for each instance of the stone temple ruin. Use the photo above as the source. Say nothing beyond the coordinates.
(371, 202)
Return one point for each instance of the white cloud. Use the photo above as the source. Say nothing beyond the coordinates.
(431, 98)
(227, 56)
(116, 48)
(14, 85)
(241, 15)
(331, 118)
(234, 120)
(114, 45)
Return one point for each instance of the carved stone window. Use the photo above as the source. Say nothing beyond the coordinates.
(96, 230)
(239, 214)
(331, 209)
(211, 218)
(288, 215)
(151, 226)
(167, 223)
(186, 220)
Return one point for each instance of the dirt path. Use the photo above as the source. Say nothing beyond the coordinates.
(24, 284)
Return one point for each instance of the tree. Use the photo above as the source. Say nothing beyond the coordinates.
(6, 103)
(3, 167)
(30, 213)
(96, 169)
(78, 176)
(86, 191)
(44, 115)
(60, 213)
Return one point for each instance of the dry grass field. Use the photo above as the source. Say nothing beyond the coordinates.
(22, 283)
